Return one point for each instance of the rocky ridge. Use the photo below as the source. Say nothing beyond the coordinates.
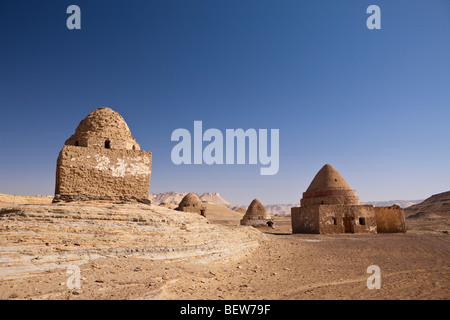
(37, 239)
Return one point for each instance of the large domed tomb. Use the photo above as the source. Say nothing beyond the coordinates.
(102, 161)
(330, 205)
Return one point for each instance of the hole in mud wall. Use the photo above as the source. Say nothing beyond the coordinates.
(107, 144)
(362, 221)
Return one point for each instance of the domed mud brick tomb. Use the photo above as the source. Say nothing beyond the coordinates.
(256, 215)
(191, 203)
(330, 205)
(102, 161)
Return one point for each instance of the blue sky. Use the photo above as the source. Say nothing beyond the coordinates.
(373, 103)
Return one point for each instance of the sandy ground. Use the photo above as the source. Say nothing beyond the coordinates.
(285, 266)
(415, 265)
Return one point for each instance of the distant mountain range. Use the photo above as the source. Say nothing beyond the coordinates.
(401, 203)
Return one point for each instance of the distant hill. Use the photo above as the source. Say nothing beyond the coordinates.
(280, 209)
(437, 204)
(401, 203)
(432, 214)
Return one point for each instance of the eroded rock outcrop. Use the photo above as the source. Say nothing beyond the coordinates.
(39, 238)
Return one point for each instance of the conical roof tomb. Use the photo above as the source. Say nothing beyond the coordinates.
(256, 209)
(102, 161)
(256, 215)
(328, 178)
(329, 187)
(191, 203)
(329, 205)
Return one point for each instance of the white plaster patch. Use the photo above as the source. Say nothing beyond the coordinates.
(102, 162)
(138, 166)
(120, 169)
(372, 229)
(139, 169)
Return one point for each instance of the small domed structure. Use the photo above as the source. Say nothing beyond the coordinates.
(191, 203)
(102, 161)
(256, 215)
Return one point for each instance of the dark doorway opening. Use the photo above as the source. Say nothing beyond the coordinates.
(108, 144)
(348, 225)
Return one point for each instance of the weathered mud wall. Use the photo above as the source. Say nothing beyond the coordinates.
(104, 174)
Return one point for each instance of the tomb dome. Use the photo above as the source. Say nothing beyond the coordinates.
(190, 200)
(256, 209)
(256, 215)
(329, 187)
(103, 128)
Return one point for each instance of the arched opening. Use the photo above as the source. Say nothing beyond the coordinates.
(107, 144)
(77, 143)
(134, 147)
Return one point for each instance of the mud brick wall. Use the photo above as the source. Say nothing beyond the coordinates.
(305, 220)
(390, 219)
(104, 174)
(359, 219)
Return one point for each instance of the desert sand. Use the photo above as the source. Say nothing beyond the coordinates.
(224, 260)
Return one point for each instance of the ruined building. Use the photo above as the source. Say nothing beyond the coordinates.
(329, 205)
(256, 215)
(390, 219)
(191, 203)
(102, 161)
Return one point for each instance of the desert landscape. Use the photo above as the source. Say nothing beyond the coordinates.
(207, 152)
(137, 251)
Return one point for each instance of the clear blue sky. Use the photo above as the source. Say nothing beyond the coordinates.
(373, 103)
